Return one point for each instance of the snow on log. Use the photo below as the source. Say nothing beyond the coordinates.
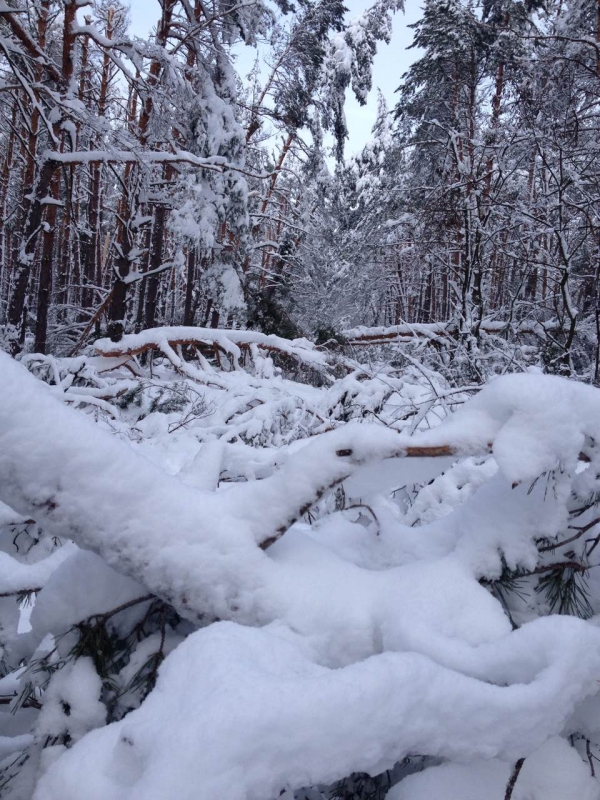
(216, 163)
(434, 331)
(231, 342)
(406, 332)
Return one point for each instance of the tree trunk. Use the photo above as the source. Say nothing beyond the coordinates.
(46, 269)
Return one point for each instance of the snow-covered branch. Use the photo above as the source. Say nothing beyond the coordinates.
(410, 332)
(232, 342)
(80, 483)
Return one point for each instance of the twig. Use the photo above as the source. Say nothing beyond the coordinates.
(31, 590)
(574, 565)
(118, 609)
(93, 321)
(590, 757)
(513, 778)
(31, 702)
(581, 531)
(363, 505)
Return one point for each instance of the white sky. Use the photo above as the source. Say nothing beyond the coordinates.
(390, 63)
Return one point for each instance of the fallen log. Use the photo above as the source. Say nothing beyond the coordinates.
(231, 342)
(434, 331)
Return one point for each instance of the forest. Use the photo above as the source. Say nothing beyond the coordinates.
(299, 448)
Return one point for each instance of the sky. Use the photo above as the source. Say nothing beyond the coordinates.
(390, 63)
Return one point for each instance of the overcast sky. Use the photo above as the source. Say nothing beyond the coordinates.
(390, 63)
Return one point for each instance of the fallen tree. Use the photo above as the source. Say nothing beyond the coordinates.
(409, 332)
(234, 344)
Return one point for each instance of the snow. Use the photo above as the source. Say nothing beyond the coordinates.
(412, 330)
(81, 587)
(13, 744)
(228, 340)
(531, 435)
(72, 702)
(351, 642)
(8, 516)
(9, 684)
(436, 330)
(208, 562)
(260, 716)
(17, 577)
(215, 163)
(554, 772)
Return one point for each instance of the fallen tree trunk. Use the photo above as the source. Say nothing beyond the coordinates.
(435, 331)
(231, 342)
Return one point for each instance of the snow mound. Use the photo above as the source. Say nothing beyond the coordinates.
(554, 772)
(260, 716)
